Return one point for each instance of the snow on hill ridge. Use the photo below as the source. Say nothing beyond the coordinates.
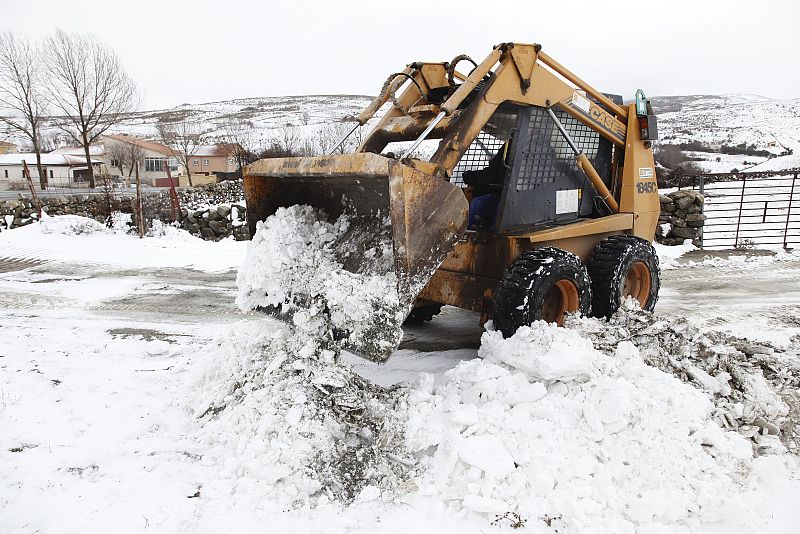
(714, 120)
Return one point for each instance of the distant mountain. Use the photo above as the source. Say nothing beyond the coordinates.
(712, 120)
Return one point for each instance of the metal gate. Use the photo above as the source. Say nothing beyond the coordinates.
(750, 209)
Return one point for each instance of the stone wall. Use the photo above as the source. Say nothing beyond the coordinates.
(681, 218)
(211, 211)
(15, 213)
(218, 222)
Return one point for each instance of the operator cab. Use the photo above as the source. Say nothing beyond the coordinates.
(542, 186)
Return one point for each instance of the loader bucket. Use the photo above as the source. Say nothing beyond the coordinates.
(427, 215)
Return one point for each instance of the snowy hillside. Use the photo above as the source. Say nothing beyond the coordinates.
(713, 120)
(305, 113)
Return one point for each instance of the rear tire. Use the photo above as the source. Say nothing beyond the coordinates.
(541, 284)
(623, 266)
(422, 314)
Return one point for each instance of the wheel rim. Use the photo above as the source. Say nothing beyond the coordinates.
(562, 298)
(637, 283)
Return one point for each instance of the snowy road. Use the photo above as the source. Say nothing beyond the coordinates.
(758, 298)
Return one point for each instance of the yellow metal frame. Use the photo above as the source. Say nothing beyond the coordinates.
(514, 73)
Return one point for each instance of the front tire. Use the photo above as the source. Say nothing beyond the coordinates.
(422, 314)
(623, 266)
(541, 284)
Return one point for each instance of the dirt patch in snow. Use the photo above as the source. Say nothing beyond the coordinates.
(755, 387)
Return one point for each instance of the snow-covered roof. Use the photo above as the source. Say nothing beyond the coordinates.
(50, 159)
(143, 143)
(94, 150)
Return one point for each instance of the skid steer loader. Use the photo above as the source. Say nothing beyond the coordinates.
(575, 215)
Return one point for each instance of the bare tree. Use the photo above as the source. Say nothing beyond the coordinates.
(184, 137)
(332, 133)
(124, 155)
(89, 86)
(241, 139)
(22, 102)
(49, 141)
(288, 138)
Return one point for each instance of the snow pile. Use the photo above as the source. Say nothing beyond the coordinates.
(290, 425)
(70, 225)
(547, 430)
(669, 254)
(746, 262)
(304, 426)
(55, 237)
(170, 231)
(755, 387)
(339, 273)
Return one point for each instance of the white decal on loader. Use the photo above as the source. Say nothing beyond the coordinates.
(581, 102)
(567, 201)
(645, 172)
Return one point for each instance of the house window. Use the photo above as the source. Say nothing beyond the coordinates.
(154, 164)
(6, 171)
(51, 173)
(195, 162)
(205, 162)
(115, 163)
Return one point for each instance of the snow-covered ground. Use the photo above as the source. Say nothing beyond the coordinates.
(135, 396)
(716, 120)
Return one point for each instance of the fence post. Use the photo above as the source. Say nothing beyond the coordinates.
(702, 206)
(789, 213)
(35, 199)
(739, 218)
(139, 210)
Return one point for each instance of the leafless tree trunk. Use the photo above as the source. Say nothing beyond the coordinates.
(332, 133)
(288, 138)
(124, 155)
(22, 102)
(241, 138)
(184, 137)
(89, 87)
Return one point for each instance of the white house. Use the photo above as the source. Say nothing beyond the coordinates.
(155, 158)
(62, 170)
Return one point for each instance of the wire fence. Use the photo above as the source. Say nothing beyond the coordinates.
(749, 210)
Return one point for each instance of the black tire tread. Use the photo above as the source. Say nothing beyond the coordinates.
(521, 276)
(605, 265)
(422, 314)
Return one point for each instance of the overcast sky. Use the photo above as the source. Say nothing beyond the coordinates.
(201, 51)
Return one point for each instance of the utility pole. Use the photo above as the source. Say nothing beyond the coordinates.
(139, 210)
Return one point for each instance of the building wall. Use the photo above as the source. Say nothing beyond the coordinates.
(197, 179)
(57, 176)
(212, 164)
(147, 177)
(7, 148)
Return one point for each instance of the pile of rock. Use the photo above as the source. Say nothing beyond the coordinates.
(681, 218)
(218, 222)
